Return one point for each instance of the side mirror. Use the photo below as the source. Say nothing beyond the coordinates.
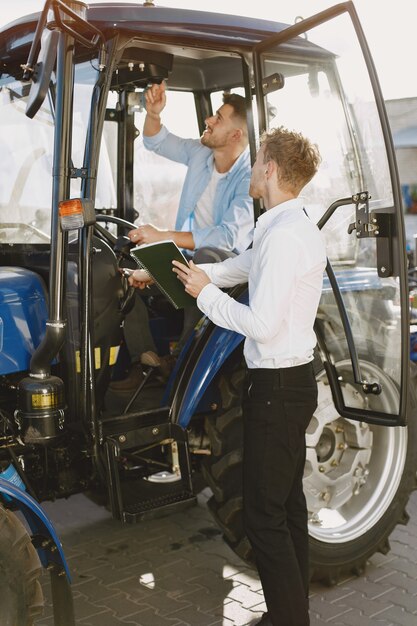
(42, 73)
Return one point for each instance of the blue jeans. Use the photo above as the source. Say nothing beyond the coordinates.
(277, 410)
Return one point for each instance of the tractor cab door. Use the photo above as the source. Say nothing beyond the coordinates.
(317, 77)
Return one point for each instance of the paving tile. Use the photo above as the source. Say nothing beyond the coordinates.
(191, 615)
(215, 584)
(246, 577)
(402, 581)
(120, 605)
(177, 571)
(355, 618)
(329, 610)
(235, 612)
(149, 617)
(406, 566)
(175, 586)
(102, 619)
(203, 600)
(245, 596)
(165, 604)
(401, 617)
(408, 602)
(374, 590)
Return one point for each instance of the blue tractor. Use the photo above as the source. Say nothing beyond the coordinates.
(72, 83)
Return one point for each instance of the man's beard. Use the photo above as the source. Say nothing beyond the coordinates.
(212, 142)
(205, 140)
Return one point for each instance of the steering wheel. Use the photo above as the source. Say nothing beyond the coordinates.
(27, 230)
(121, 246)
(111, 219)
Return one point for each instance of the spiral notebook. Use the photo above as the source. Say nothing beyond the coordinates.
(156, 259)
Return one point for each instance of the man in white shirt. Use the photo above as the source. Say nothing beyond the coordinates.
(284, 270)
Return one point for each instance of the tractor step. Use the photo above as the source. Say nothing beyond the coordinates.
(135, 492)
(158, 507)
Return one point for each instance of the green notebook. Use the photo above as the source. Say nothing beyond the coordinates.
(156, 259)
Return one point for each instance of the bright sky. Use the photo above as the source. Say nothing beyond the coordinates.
(389, 28)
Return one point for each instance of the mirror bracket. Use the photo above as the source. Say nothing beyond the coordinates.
(272, 83)
(378, 225)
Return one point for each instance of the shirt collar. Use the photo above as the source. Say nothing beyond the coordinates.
(242, 157)
(266, 219)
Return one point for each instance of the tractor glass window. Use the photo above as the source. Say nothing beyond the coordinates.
(327, 95)
(85, 77)
(157, 181)
(27, 158)
(25, 175)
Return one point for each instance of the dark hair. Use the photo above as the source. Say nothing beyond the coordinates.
(296, 157)
(238, 103)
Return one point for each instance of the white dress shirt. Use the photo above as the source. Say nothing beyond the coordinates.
(284, 271)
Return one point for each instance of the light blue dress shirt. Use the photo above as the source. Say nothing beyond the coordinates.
(233, 217)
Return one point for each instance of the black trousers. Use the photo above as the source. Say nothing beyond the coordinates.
(277, 409)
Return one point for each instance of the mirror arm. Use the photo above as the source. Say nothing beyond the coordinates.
(29, 66)
(88, 43)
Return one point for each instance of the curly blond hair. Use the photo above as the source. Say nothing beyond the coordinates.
(297, 159)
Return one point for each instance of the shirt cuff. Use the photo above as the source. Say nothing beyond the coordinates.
(198, 239)
(207, 296)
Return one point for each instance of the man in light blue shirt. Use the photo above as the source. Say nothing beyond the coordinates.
(215, 218)
(215, 209)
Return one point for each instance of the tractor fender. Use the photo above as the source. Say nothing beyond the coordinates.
(44, 536)
(219, 347)
(197, 376)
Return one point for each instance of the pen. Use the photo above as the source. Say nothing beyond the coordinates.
(126, 271)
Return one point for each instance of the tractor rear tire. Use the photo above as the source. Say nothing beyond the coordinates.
(368, 487)
(21, 596)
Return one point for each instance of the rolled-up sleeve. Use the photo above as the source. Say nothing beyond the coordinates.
(171, 146)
